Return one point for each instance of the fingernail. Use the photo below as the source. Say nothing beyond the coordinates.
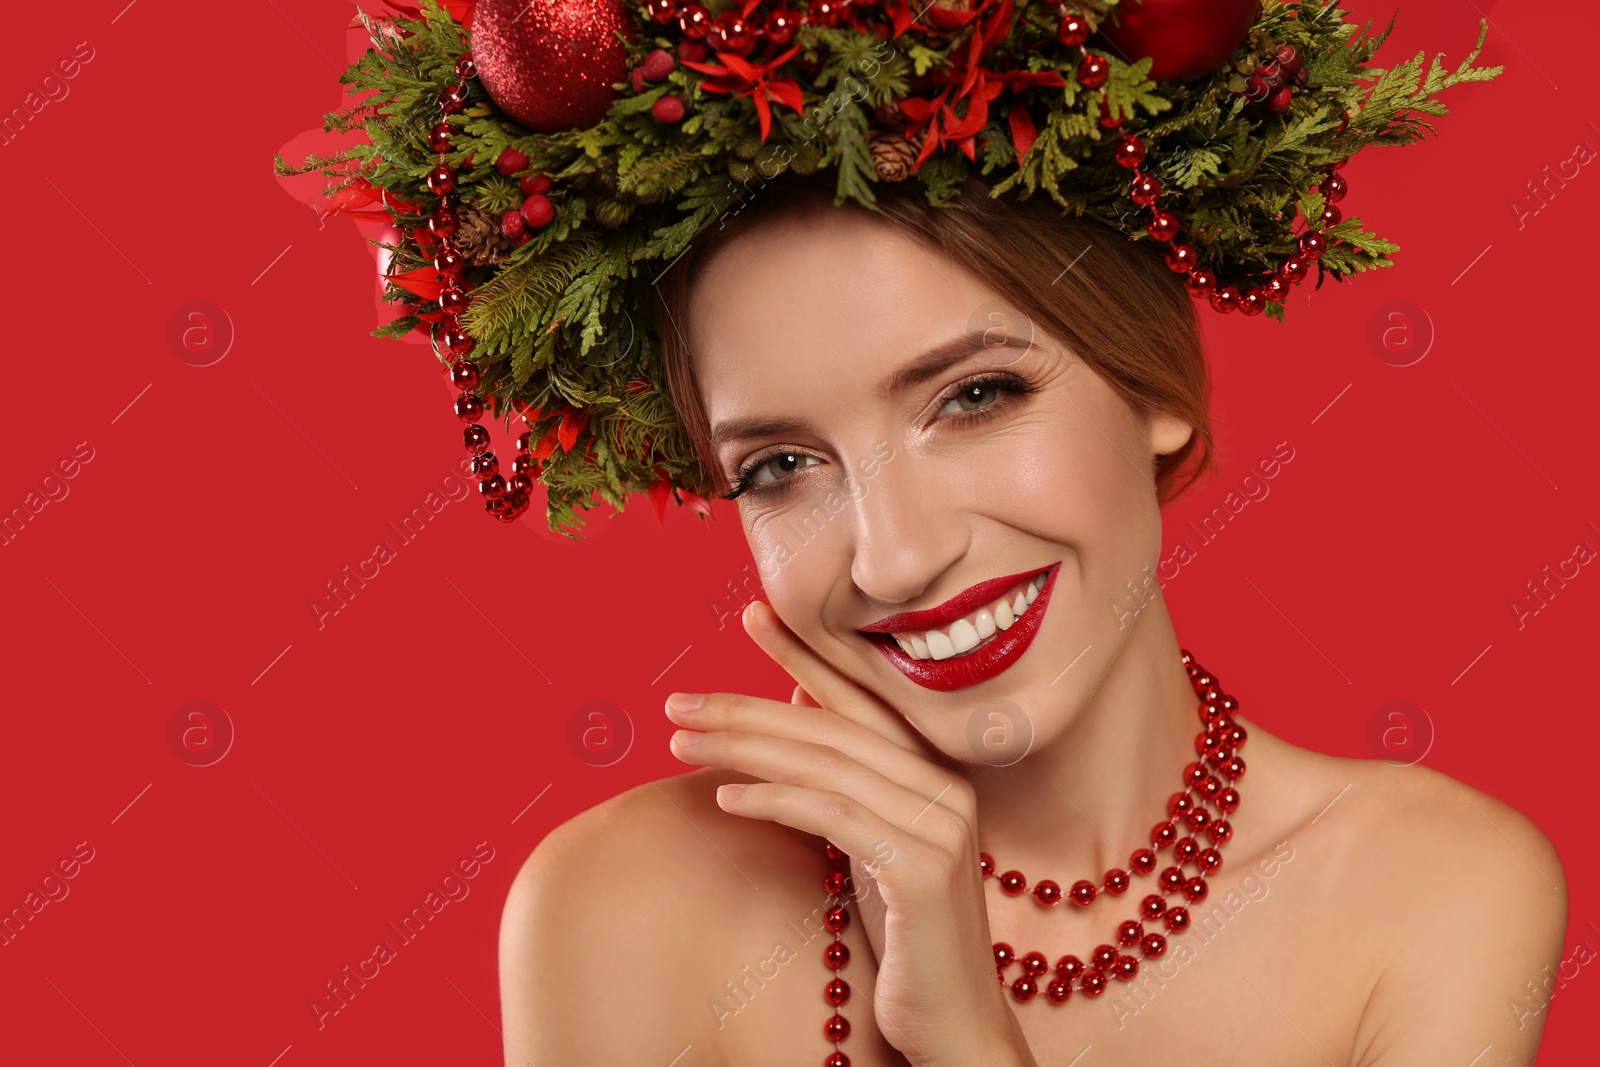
(686, 701)
(761, 615)
(685, 738)
(729, 794)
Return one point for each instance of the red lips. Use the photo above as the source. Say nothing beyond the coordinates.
(961, 604)
(986, 661)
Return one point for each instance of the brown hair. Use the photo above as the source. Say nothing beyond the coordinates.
(1120, 309)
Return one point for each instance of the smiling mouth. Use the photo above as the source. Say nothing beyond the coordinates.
(974, 647)
(975, 629)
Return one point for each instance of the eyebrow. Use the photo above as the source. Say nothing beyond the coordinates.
(929, 365)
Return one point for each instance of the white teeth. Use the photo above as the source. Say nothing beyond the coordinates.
(963, 635)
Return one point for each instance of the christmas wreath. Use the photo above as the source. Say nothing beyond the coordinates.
(544, 160)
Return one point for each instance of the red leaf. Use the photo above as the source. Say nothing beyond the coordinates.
(546, 445)
(1023, 131)
(354, 193)
(786, 91)
(764, 113)
(659, 492)
(572, 424)
(424, 282)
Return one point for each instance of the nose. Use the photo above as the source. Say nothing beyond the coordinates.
(908, 530)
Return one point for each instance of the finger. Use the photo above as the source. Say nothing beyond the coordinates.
(853, 827)
(803, 698)
(820, 678)
(821, 728)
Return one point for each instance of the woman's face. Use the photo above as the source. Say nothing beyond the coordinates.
(881, 480)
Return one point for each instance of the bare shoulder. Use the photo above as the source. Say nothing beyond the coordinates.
(1458, 898)
(603, 932)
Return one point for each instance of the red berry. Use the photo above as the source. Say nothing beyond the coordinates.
(1278, 102)
(538, 210)
(534, 183)
(636, 79)
(510, 162)
(513, 225)
(658, 64)
(694, 51)
(667, 109)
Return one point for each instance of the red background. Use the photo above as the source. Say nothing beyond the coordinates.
(373, 753)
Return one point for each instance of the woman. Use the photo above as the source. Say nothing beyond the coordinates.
(968, 398)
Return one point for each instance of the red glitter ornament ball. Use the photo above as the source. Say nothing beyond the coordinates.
(1186, 39)
(549, 64)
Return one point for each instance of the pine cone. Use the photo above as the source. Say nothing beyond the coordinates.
(480, 238)
(893, 155)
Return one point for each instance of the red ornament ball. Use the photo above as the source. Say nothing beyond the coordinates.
(1186, 39)
(1074, 30)
(550, 64)
(1145, 189)
(1093, 71)
(1225, 299)
(780, 26)
(441, 180)
(1129, 151)
(1181, 258)
(1164, 225)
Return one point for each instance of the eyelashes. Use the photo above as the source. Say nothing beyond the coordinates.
(1012, 386)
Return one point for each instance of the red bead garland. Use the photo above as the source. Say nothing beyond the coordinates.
(1205, 781)
(835, 955)
(505, 499)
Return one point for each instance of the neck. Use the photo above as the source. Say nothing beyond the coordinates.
(1077, 807)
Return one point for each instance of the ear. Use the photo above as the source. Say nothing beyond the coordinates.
(1168, 433)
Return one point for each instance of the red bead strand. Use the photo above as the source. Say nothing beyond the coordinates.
(835, 955)
(1204, 784)
(505, 498)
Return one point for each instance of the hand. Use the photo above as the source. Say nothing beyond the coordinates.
(841, 764)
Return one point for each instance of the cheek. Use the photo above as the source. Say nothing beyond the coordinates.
(1061, 478)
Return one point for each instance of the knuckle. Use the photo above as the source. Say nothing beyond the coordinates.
(837, 807)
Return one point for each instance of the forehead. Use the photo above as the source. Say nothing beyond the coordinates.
(823, 296)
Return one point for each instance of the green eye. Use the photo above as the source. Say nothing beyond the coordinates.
(977, 395)
(778, 467)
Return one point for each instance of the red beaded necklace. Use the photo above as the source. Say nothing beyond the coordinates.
(1206, 782)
